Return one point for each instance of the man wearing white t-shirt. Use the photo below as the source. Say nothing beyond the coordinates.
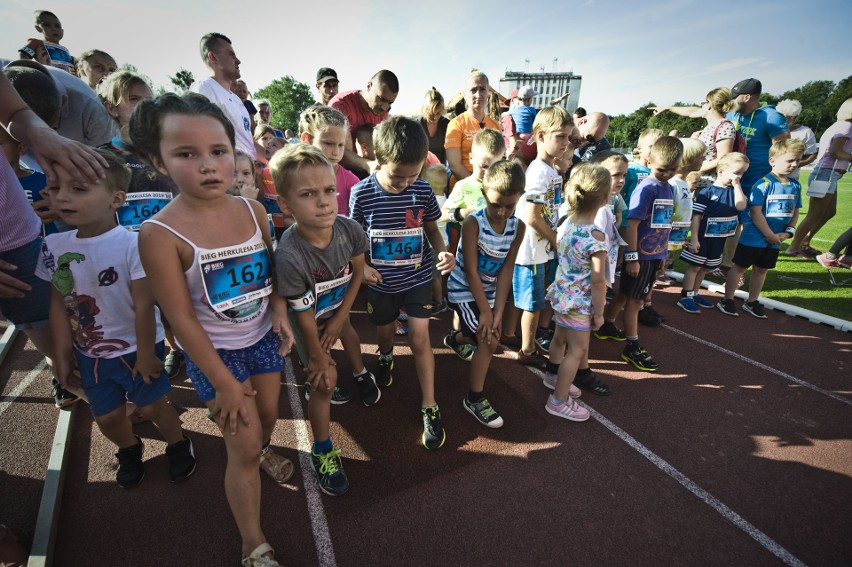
(218, 54)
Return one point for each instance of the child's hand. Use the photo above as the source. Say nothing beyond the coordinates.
(371, 275)
(230, 405)
(632, 268)
(485, 330)
(778, 238)
(43, 210)
(597, 321)
(320, 372)
(149, 367)
(248, 191)
(735, 180)
(67, 374)
(694, 246)
(446, 263)
(330, 331)
(281, 326)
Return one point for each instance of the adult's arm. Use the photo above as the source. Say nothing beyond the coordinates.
(687, 111)
(455, 162)
(49, 147)
(835, 150)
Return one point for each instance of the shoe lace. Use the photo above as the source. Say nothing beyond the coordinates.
(328, 462)
(484, 408)
(433, 419)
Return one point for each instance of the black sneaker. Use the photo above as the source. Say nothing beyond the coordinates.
(543, 339)
(483, 412)
(433, 430)
(62, 398)
(339, 396)
(648, 316)
(130, 471)
(330, 475)
(174, 360)
(640, 358)
(465, 351)
(609, 331)
(367, 389)
(384, 372)
(728, 307)
(181, 457)
(754, 308)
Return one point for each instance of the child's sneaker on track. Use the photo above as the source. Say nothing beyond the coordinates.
(754, 308)
(688, 305)
(368, 390)
(384, 371)
(433, 430)
(728, 307)
(330, 476)
(131, 470)
(640, 358)
(465, 352)
(702, 301)
(174, 360)
(549, 381)
(62, 398)
(181, 457)
(483, 412)
(609, 331)
(569, 409)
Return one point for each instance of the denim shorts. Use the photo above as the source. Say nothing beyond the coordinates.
(109, 381)
(32, 310)
(260, 358)
(528, 287)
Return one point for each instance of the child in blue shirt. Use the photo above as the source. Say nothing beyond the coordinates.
(398, 210)
(774, 206)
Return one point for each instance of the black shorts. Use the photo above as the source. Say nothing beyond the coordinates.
(468, 315)
(640, 286)
(747, 256)
(709, 253)
(383, 308)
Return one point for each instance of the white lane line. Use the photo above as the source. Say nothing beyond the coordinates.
(10, 398)
(762, 366)
(767, 542)
(319, 524)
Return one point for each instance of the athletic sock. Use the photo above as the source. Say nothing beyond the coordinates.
(553, 368)
(321, 447)
(356, 375)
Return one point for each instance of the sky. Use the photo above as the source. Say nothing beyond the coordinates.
(628, 53)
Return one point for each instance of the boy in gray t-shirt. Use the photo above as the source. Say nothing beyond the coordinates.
(320, 266)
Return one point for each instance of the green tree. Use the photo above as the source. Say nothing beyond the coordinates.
(182, 80)
(288, 98)
(842, 91)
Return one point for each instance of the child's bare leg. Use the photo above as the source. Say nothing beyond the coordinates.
(352, 347)
(631, 316)
(699, 279)
(689, 278)
(424, 358)
(733, 279)
(615, 306)
(511, 318)
(480, 363)
(268, 388)
(558, 346)
(163, 415)
(117, 428)
(578, 347)
(755, 286)
(319, 408)
(385, 335)
(529, 323)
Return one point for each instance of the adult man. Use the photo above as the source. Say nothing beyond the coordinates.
(264, 115)
(218, 54)
(367, 106)
(327, 84)
(593, 127)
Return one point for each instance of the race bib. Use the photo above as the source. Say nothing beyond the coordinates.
(489, 262)
(780, 206)
(235, 275)
(720, 227)
(661, 213)
(680, 230)
(396, 247)
(139, 207)
(329, 295)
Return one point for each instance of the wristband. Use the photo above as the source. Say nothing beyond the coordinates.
(457, 215)
(791, 230)
(631, 256)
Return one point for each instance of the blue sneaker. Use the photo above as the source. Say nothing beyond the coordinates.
(688, 305)
(702, 301)
(330, 476)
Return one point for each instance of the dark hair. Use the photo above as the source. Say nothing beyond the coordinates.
(39, 15)
(208, 42)
(146, 123)
(388, 79)
(117, 175)
(400, 140)
(581, 112)
(38, 89)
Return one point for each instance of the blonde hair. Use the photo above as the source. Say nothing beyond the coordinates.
(588, 187)
(114, 87)
(692, 148)
(845, 110)
(490, 141)
(506, 177)
(649, 133)
(666, 151)
(551, 119)
(436, 176)
(788, 146)
(789, 107)
(606, 156)
(286, 164)
(433, 103)
(721, 100)
(317, 118)
(730, 159)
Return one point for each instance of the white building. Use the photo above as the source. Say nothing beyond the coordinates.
(549, 86)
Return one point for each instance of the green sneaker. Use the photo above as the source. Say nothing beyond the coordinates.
(465, 352)
(330, 476)
(484, 413)
(433, 430)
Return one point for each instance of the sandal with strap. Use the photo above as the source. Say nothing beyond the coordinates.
(593, 384)
(257, 558)
(279, 468)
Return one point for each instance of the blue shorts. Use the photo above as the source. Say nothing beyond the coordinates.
(260, 358)
(32, 310)
(528, 287)
(108, 382)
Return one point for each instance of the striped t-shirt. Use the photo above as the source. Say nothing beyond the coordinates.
(394, 226)
(491, 251)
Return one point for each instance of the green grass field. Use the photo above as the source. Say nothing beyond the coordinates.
(803, 281)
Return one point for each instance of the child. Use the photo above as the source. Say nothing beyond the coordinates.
(479, 286)
(647, 236)
(578, 293)
(714, 219)
(539, 209)
(320, 263)
(683, 190)
(436, 176)
(364, 139)
(47, 24)
(214, 280)
(280, 221)
(104, 322)
(466, 197)
(244, 177)
(396, 209)
(773, 206)
(326, 129)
